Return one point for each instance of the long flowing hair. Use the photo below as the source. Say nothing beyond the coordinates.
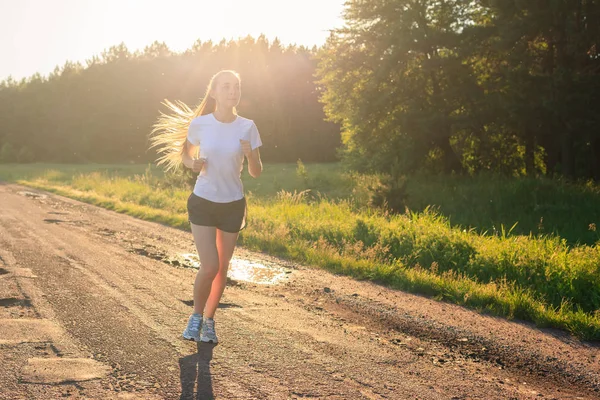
(169, 133)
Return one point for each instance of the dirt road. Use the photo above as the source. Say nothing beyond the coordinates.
(93, 303)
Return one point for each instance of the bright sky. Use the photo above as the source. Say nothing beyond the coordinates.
(38, 35)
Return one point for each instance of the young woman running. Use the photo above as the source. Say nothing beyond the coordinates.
(212, 141)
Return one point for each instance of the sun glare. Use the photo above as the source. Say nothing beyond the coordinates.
(41, 35)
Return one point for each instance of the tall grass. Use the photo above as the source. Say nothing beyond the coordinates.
(488, 202)
(319, 215)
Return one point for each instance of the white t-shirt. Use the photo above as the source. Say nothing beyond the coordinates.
(220, 179)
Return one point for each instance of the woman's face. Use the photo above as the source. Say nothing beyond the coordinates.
(227, 91)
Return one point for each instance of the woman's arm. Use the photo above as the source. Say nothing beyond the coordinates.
(189, 157)
(254, 163)
(253, 156)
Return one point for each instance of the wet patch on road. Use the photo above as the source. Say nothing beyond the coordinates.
(247, 270)
(263, 273)
(255, 272)
(15, 302)
(66, 222)
(32, 194)
(106, 232)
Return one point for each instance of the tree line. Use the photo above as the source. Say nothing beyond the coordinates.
(104, 111)
(405, 85)
(463, 85)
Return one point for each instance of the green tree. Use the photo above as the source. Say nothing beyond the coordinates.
(395, 80)
(510, 86)
(551, 77)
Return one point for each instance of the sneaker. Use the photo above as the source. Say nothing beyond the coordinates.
(208, 331)
(192, 331)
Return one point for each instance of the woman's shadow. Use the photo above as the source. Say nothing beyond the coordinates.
(196, 368)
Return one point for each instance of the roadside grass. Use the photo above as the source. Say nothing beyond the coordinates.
(319, 215)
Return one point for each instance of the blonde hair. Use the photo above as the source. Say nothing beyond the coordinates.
(169, 133)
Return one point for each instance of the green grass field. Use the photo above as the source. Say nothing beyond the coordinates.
(457, 240)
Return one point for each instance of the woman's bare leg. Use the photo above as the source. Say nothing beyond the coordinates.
(206, 244)
(225, 246)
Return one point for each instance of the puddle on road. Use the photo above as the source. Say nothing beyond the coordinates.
(239, 269)
(190, 260)
(66, 222)
(32, 194)
(250, 271)
(246, 270)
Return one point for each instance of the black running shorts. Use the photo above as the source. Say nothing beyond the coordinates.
(228, 217)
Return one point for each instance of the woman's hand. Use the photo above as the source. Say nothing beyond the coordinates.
(246, 148)
(198, 164)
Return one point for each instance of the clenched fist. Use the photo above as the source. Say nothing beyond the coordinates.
(246, 148)
(198, 164)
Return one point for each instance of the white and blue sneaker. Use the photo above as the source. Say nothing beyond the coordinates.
(194, 327)
(208, 334)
